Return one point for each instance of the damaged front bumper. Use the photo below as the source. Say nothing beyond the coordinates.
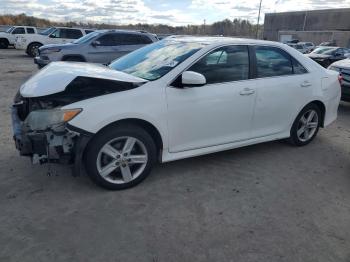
(60, 143)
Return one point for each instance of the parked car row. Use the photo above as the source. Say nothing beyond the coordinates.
(74, 44)
(102, 46)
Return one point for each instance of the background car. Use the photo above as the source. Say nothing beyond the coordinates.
(98, 47)
(309, 45)
(55, 35)
(8, 38)
(328, 43)
(300, 47)
(343, 67)
(326, 55)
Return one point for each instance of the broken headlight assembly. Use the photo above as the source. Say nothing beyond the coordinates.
(48, 118)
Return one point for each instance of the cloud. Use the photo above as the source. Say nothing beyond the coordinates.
(249, 9)
(136, 11)
(101, 11)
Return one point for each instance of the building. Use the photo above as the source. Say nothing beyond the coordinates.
(315, 26)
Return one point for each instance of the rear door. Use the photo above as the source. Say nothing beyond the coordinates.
(283, 87)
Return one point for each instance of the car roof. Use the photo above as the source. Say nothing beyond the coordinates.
(215, 40)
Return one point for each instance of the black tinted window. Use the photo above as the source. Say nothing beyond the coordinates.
(145, 39)
(88, 31)
(30, 31)
(226, 64)
(18, 30)
(107, 40)
(298, 68)
(272, 61)
(71, 33)
(129, 39)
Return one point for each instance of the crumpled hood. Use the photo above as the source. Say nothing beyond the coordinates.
(345, 63)
(55, 77)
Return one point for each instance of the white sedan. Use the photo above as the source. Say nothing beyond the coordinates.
(177, 98)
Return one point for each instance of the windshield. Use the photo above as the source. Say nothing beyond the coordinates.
(86, 38)
(154, 61)
(324, 50)
(47, 31)
(10, 29)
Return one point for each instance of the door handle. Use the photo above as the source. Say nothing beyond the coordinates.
(247, 92)
(305, 84)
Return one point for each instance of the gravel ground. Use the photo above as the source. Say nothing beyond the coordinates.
(269, 202)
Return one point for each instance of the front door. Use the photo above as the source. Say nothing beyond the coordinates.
(219, 112)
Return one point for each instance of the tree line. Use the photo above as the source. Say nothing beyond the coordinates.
(227, 27)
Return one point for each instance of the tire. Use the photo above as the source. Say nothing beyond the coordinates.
(74, 59)
(306, 125)
(108, 159)
(4, 44)
(33, 49)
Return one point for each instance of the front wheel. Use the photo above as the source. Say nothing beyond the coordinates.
(120, 157)
(306, 125)
(33, 49)
(4, 43)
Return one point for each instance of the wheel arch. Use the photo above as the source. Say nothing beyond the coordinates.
(31, 43)
(4, 38)
(322, 108)
(149, 127)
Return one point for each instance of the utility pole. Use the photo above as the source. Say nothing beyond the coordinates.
(257, 26)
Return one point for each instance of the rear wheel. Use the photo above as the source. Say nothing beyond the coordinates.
(120, 157)
(306, 125)
(33, 49)
(4, 43)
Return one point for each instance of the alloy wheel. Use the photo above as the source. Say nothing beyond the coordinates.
(307, 125)
(122, 160)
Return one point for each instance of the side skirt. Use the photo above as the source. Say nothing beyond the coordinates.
(167, 156)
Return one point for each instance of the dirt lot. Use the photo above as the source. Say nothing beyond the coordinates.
(269, 202)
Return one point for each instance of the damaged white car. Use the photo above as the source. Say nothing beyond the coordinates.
(173, 99)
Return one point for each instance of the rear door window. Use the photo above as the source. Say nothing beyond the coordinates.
(71, 33)
(272, 61)
(30, 30)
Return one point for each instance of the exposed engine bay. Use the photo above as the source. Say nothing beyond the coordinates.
(40, 125)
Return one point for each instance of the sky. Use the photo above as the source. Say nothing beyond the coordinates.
(176, 12)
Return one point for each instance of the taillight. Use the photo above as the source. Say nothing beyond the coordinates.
(340, 78)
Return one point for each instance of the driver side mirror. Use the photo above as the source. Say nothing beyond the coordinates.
(337, 54)
(52, 36)
(95, 43)
(190, 78)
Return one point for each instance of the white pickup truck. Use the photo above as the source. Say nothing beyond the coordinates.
(53, 35)
(8, 37)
